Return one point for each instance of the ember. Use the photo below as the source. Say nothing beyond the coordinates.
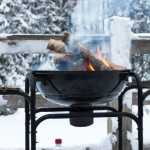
(90, 67)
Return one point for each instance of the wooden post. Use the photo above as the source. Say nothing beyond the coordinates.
(110, 129)
(120, 46)
(126, 126)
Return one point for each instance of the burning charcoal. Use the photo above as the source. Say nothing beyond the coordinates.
(116, 67)
(80, 68)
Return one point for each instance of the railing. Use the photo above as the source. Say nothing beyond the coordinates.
(27, 45)
(140, 45)
(30, 44)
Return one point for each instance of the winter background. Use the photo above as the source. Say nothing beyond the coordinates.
(56, 17)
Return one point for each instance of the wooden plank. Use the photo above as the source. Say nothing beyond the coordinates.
(144, 84)
(126, 126)
(140, 46)
(15, 101)
(135, 102)
(30, 44)
(113, 104)
(31, 37)
(101, 37)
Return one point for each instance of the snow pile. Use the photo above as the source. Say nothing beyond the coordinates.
(146, 124)
(73, 138)
(2, 101)
(121, 35)
(24, 46)
(4, 35)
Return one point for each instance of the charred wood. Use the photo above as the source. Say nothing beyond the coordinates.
(70, 49)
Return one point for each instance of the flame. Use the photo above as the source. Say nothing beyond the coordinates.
(104, 61)
(91, 67)
(100, 58)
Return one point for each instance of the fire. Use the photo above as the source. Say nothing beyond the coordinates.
(102, 59)
(91, 67)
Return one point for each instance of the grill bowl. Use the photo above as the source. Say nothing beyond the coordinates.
(80, 87)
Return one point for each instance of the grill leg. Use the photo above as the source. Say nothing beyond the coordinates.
(120, 100)
(27, 118)
(140, 124)
(140, 111)
(33, 101)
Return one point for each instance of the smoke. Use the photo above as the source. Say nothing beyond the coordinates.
(88, 28)
(88, 25)
(88, 17)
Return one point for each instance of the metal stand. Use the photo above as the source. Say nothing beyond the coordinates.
(32, 78)
(17, 91)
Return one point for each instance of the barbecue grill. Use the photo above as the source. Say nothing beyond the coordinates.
(80, 92)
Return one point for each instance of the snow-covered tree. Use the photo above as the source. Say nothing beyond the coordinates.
(140, 14)
(14, 18)
(67, 9)
(29, 17)
(141, 66)
(116, 8)
(46, 17)
(35, 16)
(137, 10)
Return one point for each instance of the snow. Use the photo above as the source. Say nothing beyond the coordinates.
(120, 41)
(127, 99)
(2, 101)
(146, 35)
(4, 35)
(146, 124)
(73, 138)
(114, 124)
(24, 46)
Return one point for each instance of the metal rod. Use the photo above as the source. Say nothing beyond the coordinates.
(69, 109)
(96, 115)
(32, 111)
(120, 108)
(5, 91)
(146, 94)
(140, 110)
(120, 100)
(27, 118)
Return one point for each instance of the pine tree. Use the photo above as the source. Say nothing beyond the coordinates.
(29, 17)
(13, 17)
(67, 9)
(140, 14)
(117, 8)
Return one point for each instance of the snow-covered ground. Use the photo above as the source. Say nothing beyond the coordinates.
(95, 136)
(74, 138)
